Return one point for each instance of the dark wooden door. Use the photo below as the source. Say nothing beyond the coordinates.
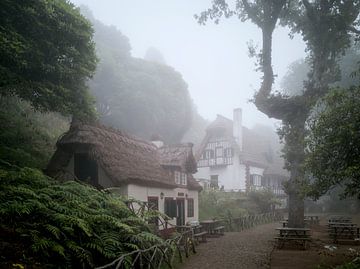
(180, 219)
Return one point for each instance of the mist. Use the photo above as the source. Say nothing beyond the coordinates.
(212, 59)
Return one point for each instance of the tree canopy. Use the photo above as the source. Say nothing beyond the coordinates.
(47, 55)
(334, 143)
(142, 97)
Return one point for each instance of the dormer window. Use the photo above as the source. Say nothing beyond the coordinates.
(180, 178)
(177, 177)
(183, 179)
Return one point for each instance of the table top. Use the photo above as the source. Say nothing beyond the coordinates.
(209, 221)
(292, 229)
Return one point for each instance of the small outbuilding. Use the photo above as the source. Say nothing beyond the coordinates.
(146, 171)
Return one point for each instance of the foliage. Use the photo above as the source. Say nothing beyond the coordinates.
(47, 54)
(64, 225)
(220, 204)
(334, 143)
(354, 264)
(293, 81)
(27, 137)
(264, 199)
(142, 97)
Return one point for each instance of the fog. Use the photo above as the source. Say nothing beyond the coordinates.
(213, 59)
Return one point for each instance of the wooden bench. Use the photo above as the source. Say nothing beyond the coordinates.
(301, 240)
(199, 233)
(344, 232)
(219, 230)
(297, 235)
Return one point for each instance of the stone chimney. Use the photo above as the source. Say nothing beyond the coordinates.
(237, 127)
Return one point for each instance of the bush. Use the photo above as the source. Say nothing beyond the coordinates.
(67, 225)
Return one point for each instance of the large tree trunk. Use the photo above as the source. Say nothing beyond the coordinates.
(296, 210)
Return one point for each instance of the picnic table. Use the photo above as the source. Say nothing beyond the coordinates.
(312, 219)
(213, 227)
(339, 219)
(298, 235)
(344, 231)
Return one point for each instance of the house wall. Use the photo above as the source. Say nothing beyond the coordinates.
(232, 177)
(142, 193)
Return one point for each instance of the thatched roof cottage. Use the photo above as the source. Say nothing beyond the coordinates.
(107, 158)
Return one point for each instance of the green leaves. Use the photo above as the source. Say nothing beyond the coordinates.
(47, 55)
(67, 224)
(334, 143)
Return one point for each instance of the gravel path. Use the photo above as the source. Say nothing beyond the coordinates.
(249, 249)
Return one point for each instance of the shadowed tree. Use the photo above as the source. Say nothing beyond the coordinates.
(325, 26)
(47, 55)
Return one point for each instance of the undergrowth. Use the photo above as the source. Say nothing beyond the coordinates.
(46, 223)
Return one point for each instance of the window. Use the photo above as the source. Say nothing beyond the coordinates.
(228, 152)
(177, 177)
(183, 179)
(255, 180)
(170, 207)
(190, 207)
(208, 154)
(214, 181)
(85, 168)
(219, 152)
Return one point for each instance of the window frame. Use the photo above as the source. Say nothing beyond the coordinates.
(190, 207)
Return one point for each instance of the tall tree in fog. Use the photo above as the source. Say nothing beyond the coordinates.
(325, 26)
(142, 97)
(293, 81)
(47, 55)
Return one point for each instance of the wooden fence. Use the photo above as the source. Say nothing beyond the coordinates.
(158, 256)
(249, 221)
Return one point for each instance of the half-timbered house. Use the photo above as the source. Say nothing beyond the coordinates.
(232, 157)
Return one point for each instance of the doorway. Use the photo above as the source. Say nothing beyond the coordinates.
(180, 204)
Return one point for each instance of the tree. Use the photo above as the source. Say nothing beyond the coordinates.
(293, 81)
(334, 143)
(141, 97)
(47, 55)
(325, 26)
(154, 55)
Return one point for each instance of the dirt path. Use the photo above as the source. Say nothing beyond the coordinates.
(249, 249)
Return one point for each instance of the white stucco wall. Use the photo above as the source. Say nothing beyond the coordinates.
(142, 193)
(232, 177)
(256, 170)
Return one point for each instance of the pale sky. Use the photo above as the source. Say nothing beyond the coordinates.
(213, 59)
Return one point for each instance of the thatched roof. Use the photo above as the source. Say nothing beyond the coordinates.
(180, 155)
(125, 159)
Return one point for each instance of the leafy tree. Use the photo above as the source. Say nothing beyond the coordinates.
(326, 27)
(334, 143)
(293, 81)
(141, 97)
(154, 55)
(47, 55)
(27, 136)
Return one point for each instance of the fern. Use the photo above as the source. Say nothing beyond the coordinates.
(69, 225)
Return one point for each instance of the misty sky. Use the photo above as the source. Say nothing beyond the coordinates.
(213, 59)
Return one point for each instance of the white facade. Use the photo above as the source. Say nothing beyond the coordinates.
(223, 162)
(231, 177)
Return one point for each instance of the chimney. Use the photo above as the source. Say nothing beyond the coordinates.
(237, 127)
(157, 140)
